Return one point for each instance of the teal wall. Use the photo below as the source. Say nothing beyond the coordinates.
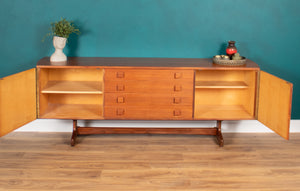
(266, 31)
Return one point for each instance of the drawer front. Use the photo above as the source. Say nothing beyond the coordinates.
(148, 113)
(148, 94)
(148, 86)
(144, 99)
(143, 74)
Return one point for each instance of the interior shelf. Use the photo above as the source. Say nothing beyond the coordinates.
(73, 87)
(220, 84)
(73, 111)
(221, 112)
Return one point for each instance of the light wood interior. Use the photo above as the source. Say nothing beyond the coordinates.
(17, 100)
(220, 84)
(225, 94)
(275, 116)
(71, 93)
(73, 87)
(73, 111)
(223, 112)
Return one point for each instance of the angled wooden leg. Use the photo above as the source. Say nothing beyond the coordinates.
(219, 135)
(74, 134)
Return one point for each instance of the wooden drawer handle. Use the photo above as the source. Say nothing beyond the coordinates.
(120, 99)
(120, 111)
(120, 87)
(177, 112)
(120, 74)
(176, 100)
(177, 75)
(177, 88)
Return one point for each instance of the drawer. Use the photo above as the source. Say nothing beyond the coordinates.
(149, 86)
(143, 99)
(148, 113)
(146, 74)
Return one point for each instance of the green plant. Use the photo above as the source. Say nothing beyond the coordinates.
(63, 28)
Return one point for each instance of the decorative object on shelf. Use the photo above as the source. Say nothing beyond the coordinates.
(59, 44)
(224, 60)
(224, 57)
(221, 57)
(232, 58)
(237, 56)
(217, 57)
(231, 49)
(61, 31)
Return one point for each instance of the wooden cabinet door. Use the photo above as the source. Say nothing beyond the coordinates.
(274, 104)
(17, 100)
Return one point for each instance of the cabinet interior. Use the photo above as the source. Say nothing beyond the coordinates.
(70, 93)
(224, 94)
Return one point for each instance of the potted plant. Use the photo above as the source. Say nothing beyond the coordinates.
(61, 30)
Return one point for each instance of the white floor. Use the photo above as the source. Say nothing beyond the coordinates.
(53, 125)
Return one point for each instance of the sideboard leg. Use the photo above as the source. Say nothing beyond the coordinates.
(219, 135)
(74, 134)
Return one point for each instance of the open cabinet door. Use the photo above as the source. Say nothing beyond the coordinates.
(17, 100)
(275, 102)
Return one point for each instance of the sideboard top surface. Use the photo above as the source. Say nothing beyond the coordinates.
(126, 62)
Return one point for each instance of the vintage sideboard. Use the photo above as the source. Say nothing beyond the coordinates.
(102, 88)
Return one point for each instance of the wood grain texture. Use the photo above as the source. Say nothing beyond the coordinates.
(220, 84)
(73, 87)
(70, 93)
(224, 95)
(150, 86)
(142, 130)
(163, 112)
(73, 74)
(46, 162)
(141, 74)
(17, 100)
(153, 94)
(42, 99)
(221, 112)
(142, 99)
(275, 100)
(147, 63)
(73, 111)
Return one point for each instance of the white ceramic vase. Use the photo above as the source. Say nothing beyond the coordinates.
(59, 44)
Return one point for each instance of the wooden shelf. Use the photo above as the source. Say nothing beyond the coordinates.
(73, 111)
(220, 84)
(73, 87)
(221, 112)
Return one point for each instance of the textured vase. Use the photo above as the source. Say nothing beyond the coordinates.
(59, 44)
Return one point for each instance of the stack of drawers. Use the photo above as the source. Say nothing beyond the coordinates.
(148, 94)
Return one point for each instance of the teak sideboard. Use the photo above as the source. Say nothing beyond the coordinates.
(96, 88)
